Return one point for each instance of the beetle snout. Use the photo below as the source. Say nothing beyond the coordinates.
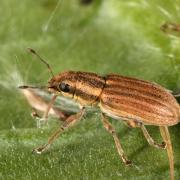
(52, 86)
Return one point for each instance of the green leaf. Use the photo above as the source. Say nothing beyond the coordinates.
(116, 36)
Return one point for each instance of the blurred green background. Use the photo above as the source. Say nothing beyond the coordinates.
(102, 36)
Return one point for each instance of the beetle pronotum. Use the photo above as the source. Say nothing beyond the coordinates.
(136, 102)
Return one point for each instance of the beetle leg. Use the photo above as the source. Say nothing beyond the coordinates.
(111, 130)
(150, 140)
(44, 118)
(166, 136)
(39, 104)
(132, 123)
(70, 121)
(34, 114)
(45, 115)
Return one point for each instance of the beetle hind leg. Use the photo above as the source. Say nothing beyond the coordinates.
(166, 136)
(150, 140)
(112, 131)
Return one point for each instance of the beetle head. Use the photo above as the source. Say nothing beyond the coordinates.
(63, 83)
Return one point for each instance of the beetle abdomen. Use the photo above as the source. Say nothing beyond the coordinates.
(130, 98)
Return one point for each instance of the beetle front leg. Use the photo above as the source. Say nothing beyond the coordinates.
(44, 118)
(39, 104)
(45, 115)
(47, 108)
(112, 131)
(150, 140)
(70, 121)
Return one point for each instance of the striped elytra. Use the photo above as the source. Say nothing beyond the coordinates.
(121, 97)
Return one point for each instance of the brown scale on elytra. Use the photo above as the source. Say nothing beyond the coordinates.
(134, 101)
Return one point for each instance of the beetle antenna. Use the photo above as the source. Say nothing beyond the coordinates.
(32, 87)
(41, 59)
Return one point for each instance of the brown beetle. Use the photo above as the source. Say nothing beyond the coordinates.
(136, 102)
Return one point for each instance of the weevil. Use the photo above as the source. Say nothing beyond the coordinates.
(134, 101)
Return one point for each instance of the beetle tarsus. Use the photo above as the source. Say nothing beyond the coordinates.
(40, 149)
(151, 141)
(128, 163)
(163, 145)
(70, 121)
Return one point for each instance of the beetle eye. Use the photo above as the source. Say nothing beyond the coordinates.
(64, 87)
